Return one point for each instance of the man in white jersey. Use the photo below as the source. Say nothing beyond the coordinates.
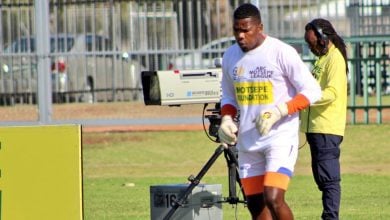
(266, 82)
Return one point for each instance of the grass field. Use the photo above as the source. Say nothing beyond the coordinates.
(137, 110)
(119, 168)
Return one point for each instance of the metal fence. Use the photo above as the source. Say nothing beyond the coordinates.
(369, 74)
(66, 51)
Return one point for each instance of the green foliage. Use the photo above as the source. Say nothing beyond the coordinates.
(119, 168)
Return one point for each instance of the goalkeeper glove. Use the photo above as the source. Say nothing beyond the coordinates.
(267, 118)
(227, 131)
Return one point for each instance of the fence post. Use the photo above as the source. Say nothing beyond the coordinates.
(378, 83)
(352, 92)
(43, 60)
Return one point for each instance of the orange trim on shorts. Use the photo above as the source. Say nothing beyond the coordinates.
(277, 180)
(253, 185)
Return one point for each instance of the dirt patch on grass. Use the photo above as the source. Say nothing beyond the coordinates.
(99, 111)
(123, 110)
(137, 110)
(107, 138)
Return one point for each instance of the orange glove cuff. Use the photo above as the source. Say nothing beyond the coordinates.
(297, 103)
(228, 109)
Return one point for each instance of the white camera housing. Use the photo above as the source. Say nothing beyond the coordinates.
(177, 87)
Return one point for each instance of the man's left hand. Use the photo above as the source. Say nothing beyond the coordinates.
(267, 118)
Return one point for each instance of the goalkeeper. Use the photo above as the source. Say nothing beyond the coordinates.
(266, 83)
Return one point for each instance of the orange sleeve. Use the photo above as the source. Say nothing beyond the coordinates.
(297, 103)
(228, 109)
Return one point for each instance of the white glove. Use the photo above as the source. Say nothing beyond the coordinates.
(227, 131)
(267, 118)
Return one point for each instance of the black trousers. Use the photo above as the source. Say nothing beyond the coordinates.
(325, 156)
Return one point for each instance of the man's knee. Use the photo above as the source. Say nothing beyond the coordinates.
(274, 197)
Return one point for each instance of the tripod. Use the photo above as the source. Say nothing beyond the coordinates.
(232, 163)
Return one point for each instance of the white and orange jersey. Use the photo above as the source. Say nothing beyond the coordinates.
(260, 79)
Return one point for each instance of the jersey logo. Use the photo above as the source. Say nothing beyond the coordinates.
(254, 93)
(260, 72)
(238, 72)
(316, 72)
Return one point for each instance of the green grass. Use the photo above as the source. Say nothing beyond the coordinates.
(119, 168)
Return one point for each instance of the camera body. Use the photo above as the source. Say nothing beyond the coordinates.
(177, 87)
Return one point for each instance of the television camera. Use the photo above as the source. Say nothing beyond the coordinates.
(202, 86)
(178, 87)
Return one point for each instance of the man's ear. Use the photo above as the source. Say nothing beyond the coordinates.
(261, 27)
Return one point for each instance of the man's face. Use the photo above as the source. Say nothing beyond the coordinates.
(247, 32)
(312, 41)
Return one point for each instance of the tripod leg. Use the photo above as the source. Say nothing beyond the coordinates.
(231, 159)
(194, 182)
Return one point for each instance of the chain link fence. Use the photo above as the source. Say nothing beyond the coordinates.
(68, 51)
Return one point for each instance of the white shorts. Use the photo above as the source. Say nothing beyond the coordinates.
(279, 158)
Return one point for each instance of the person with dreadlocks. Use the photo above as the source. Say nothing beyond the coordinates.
(264, 84)
(324, 122)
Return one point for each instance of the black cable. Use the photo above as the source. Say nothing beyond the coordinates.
(204, 125)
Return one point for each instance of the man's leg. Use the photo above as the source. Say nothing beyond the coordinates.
(280, 160)
(325, 153)
(257, 208)
(275, 186)
(265, 177)
(253, 189)
(269, 204)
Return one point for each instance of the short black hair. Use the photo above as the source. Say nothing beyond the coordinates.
(247, 10)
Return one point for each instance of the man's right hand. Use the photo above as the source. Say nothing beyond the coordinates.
(227, 131)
